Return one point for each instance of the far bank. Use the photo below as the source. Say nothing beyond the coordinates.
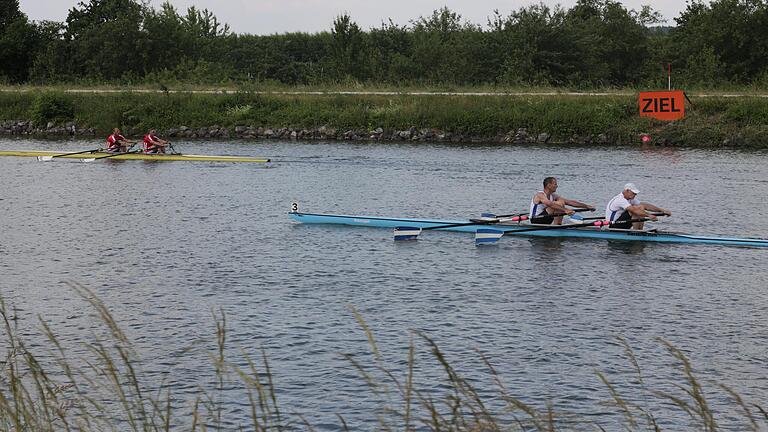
(605, 119)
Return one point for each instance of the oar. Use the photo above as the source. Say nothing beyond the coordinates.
(109, 156)
(519, 217)
(503, 216)
(489, 218)
(489, 235)
(412, 233)
(173, 150)
(50, 158)
(579, 218)
(526, 213)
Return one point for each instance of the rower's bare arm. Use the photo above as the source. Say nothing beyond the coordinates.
(653, 208)
(555, 205)
(638, 211)
(579, 204)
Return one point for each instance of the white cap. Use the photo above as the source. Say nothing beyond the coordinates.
(631, 187)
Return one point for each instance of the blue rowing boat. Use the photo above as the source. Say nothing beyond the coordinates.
(481, 229)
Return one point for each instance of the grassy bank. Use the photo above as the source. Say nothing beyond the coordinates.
(710, 122)
(47, 387)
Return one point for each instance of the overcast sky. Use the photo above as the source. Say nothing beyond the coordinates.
(281, 16)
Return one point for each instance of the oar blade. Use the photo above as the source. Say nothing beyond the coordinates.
(407, 233)
(87, 159)
(45, 158)
(486, 236)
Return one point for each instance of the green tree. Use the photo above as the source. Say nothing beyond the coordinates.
(612, 42)
(9, 12)
(704, 69)
(52, 61)
(106, 39)
(167, 42)
(389, 53)
(534, 46)
(444, 48)
(347, 48)
(733, 29)
(19, 42)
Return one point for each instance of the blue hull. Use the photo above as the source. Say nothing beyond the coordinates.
(583, 232)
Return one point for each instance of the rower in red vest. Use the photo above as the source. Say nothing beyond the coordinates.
(118, 143)
(153, 144)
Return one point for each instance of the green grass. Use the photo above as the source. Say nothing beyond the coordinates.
(275, 86)
(50, 389)
(710, 121)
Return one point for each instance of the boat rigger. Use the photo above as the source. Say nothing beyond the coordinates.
(490, 230)
(166, 157)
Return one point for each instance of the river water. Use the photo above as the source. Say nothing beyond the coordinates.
(165, 245)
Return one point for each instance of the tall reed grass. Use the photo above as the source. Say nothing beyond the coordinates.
(51, 389)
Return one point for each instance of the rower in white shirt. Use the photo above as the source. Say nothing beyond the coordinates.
(625, 207)
(547, 207)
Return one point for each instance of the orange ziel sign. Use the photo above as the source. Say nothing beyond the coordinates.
(663, 105)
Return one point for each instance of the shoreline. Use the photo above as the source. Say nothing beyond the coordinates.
(710, 122)
(27, 128)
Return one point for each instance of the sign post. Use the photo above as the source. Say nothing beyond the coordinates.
(669, 76)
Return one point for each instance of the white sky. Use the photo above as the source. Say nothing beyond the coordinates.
(310, 16)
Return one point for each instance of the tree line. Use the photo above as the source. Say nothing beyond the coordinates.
(596, 43)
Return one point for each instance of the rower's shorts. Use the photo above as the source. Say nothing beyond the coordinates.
(622, 222)
(546, 219)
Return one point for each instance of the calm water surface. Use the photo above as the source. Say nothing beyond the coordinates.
(166, 244)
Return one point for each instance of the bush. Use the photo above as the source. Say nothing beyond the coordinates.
(52, 107)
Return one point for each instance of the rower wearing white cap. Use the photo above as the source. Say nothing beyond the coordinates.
(625, 207)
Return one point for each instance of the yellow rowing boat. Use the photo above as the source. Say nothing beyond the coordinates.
(134, 156)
